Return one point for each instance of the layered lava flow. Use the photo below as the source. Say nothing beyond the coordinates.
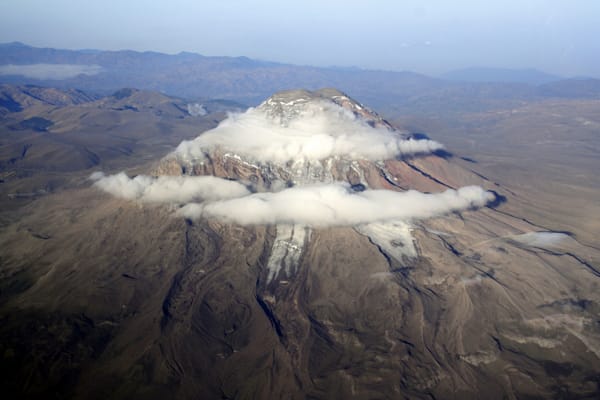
(307, 249)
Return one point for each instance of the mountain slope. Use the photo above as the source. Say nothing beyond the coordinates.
(51, 137)
(584, 88)
(529, 76)
(149, 291)
(14, 99)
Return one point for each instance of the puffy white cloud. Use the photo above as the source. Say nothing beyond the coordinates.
(320, 130)
(337, 204)
(50, 71)
(169, 189)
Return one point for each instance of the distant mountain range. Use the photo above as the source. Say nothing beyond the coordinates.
(249, 81)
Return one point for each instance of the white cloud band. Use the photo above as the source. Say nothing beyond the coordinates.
(322, 130)
(337, 204)
(169, 189)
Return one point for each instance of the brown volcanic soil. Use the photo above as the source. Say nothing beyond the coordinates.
(45, 147)
(545, 152)
(103, 298)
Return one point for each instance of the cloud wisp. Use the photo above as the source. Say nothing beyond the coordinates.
(50, 71)
(321, 130)
(337, 205)
(544, 239)
(169, 189)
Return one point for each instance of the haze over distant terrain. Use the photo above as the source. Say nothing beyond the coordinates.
(426, 37)
(194, 76)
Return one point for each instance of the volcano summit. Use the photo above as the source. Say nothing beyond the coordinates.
(301, 160)
(304, 248)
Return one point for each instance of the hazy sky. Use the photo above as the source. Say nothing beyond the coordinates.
(432, 37)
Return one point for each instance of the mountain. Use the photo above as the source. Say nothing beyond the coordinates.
(305, 248)
(481, 74)
(14, 99)
(244, 80)
(189, 75)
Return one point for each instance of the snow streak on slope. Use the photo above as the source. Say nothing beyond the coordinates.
(287, 250)
(393, 238)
